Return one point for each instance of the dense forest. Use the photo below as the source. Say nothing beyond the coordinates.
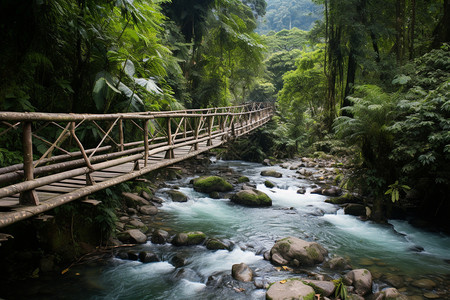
(369, 79)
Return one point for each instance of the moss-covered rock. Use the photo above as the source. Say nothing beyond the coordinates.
(345, 198)
(290, 289)
(177, 196)
(243, 179)
(189, 238)
(271, 173)
(215, 244)
(296, 252)
(269, 184)
(251, 197)
(208, 184)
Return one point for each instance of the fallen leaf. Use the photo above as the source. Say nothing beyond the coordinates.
(283, 281)
(78, 274)
(64, 271)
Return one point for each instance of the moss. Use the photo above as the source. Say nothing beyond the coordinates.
(252, 198)
(195, 238)
(214, 244)
(243, 179)
(284, 247)
(312, 252)
(269, 184)
(310, 296)
(317, 289)
(208, 184)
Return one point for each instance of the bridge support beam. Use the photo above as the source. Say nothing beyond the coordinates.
(29, 197)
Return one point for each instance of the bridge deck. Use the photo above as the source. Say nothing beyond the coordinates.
(53, 181)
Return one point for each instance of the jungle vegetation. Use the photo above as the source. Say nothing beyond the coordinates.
(370, 75)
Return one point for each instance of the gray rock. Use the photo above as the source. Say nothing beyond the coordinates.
(134, 236)
(361, 279)
(297, 252)
(131, 255)
(301, 191)
(393, 294)
(178, 261)
(332, 191)
(133, 200)
(149, 210)
(160, 236)
(355, 209)
(148, 257)
(337, 263)
(137, 224)
(424, 283)
(291, 289)
(177, 196)
(325, 288)
(189, 238)
(242, 272)
(215, 244)
(271, 173)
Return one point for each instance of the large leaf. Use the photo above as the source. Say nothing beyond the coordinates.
(149, 85)
(129, 68)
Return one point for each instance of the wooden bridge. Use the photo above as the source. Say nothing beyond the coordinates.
(83, 153)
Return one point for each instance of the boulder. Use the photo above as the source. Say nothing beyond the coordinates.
(301, 191)
(269, 184)
(131, 255)
(393, 294)
(177, 196)
(215, 244)
(290, 289)
(394, 280)
(361, 279)
(189, 238)
(242, 272)
(346, 198)
(296, 252)
(271, 173)
(134, 236)
(137, 224)
(178, 260)
(332, 191)
(355, 209)
(325, 288)
(147, 257)
(160, 236)
(251, 197)
(243, 179)
(148, 210)
(208, 184)
(133, 200)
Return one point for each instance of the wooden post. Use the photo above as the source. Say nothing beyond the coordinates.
(210, 121)
(197, 129)
(146, 148)
(29, 197)
(169, 153)
(121, 134)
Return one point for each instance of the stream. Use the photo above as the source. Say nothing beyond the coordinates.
(386, 250)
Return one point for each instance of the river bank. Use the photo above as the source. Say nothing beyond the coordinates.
(397, 255)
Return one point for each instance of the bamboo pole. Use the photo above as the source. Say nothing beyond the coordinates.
(146, 149)
(121, 134)
(28, 197)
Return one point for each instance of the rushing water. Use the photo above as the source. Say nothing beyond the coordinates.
(384, 249)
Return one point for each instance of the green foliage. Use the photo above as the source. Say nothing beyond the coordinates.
(394, 190)
(341, 290)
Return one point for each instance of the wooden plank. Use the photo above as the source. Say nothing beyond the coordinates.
(56, 189)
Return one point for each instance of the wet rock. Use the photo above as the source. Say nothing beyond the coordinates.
(355, 209)
(147, 195)
(424, 283)
(393, 294)
(267, 162)
(160, 236)
(285, 165)
(132, 211)
(416, 248)
(148, 257)
(325, 288)
(431, 296)
(346, 198)
(332, 191)
(215, 244)
(214, 195)
(137, 224)
(177, 196)
(269, 184)
(47, 264)
(208, 184)
(271, 173)
(243, 179)
(148, 210)
(261, 283)
(301, 191)
(337, 263)
(178, 260)
(251, 198)
(189, 238)
(134, 236)
(158, 200)
(297, 252)
(122, 255)
(267, 255)
(290, 289)
(131, 255)
(133, 200)
(361, 279)
(242, 272)
(394, 280)
(316, 191)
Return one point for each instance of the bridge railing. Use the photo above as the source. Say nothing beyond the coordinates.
(59, 146)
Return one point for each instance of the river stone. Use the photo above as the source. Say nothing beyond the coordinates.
(361, 279)
(208, 184)
(242, 272)
(393, 294)
(147, 257)
(355, 209)
(337, 263)
(160, 236)
(148, 210)
(394, 280)
(132, 255)
(301, 191)
(424, 283)
(137, 223)
(189, 238)
(133, 200)
(243, 179)
(269, 184)
(251, 198)
(271, 173)
(215, 244)
(290, 289)
(332, 191)
(134, 236)
(325, 288)
(431, 296)
(297, 252)
(177, 196)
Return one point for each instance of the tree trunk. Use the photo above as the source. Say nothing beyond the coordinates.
(441, 33)
(412, 29)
